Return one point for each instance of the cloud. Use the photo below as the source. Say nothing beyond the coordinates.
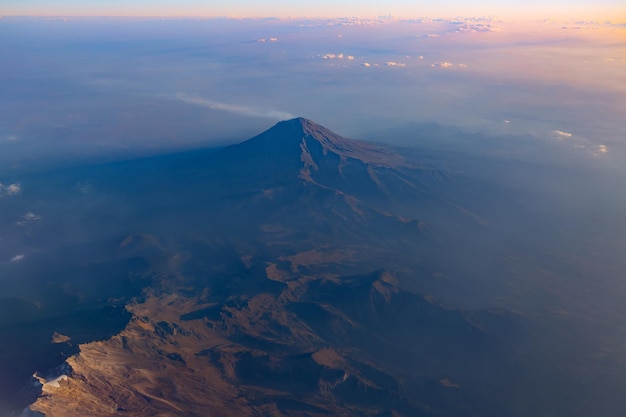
(84, 187)
(11, 189)
(595, 150)
(343, 21)
(562, 134)
(268, 113)
(14, 189)
(395, 64)
(18, 258)
(11, 138)
(366, 64)
(29, 218)
(446, 64)
(338, 56)
(601, 150)
(267, 40)
(476, 24)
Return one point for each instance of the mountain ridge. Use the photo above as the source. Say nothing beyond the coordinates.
(316, 147)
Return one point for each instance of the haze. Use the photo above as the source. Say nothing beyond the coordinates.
(496, 198)
(579, 9)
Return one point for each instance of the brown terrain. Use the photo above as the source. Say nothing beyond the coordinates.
(319, 345)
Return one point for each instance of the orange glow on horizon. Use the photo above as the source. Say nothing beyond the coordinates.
(297, 11)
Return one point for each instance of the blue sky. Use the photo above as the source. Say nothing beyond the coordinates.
(614, 10)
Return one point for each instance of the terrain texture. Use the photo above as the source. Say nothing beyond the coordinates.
(300, 273)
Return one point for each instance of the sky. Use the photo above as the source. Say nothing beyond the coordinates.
(613, 10)
(96, 86)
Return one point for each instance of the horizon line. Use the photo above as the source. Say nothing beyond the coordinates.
(537, 19)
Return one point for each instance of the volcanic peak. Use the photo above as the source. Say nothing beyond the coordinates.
(303, 134)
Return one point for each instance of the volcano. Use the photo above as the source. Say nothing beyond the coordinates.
(297, 273)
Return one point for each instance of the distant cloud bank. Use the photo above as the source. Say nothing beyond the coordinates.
(342, 21)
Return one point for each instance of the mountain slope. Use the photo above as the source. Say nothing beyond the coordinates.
(262, 299)
(300, 149)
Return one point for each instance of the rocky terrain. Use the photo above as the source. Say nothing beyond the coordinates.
(300, 345)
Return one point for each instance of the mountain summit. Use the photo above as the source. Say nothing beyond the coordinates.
(313, 148)
(315, 141)
(301, 173)
(298, 173)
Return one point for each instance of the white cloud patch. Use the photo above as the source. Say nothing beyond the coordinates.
(11, 138)
(562, 134)
(344, 21)
(268, 40)
(601, 150)
(366, 64)
(268, 113)
(9, 190)
(29, 218)
(395, 64)
(18, 258)
(338, 56)
(14, 189)
(475, 24)
(443, 64)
